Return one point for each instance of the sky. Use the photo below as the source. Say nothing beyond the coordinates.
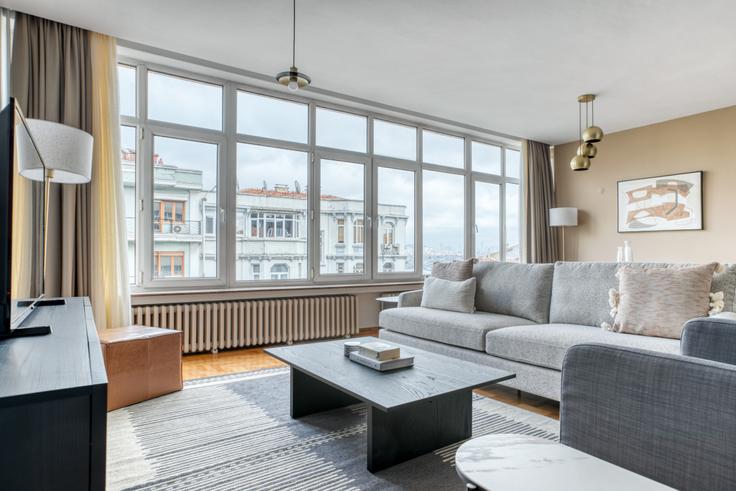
(183, 101)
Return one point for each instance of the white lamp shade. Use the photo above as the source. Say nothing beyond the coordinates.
(563, 217)
(65, 150)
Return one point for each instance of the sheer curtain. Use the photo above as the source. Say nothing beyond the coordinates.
(109, 291)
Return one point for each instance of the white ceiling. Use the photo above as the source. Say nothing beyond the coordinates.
(514, 67)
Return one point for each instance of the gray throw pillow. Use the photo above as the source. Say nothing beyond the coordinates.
(453, 270)
(457, 296)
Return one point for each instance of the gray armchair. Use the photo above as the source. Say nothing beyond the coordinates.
(711, 338)
(671, 418)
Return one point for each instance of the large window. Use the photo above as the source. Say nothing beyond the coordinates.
(314, 192)
(184, 191)
(128, 152)
(342, 203)
(395, 238)
(271, 195)
(444, 217)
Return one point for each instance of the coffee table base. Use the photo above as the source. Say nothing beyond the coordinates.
(397, 435)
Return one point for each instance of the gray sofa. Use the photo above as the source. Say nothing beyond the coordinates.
(527, 317)
(671, 418)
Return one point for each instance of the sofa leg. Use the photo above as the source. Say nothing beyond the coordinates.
(518, 394)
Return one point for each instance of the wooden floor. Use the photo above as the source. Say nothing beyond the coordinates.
(244, 360)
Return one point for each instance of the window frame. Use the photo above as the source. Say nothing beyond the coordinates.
(227, 140)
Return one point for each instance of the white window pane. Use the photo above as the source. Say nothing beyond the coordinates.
(126, 90)
(487, 221)
(270, 117)
(394, 140)
(127, 167)
(341, 130)
(441, 149)
(444, 217)
(395, 239)
(184, 101)
(486, 158)
(184, 193)
(272, 225)
(513, 163)
(513, 223)
(341, 205)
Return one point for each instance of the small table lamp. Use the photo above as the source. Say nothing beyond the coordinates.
(563, 217)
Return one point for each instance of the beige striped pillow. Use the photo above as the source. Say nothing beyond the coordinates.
(658, 301)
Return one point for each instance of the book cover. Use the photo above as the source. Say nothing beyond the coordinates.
(382, 366)
(379, 351)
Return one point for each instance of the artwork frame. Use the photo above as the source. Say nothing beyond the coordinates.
(662, 216)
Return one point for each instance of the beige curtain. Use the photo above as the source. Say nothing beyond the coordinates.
(539, 196)
(51, 80)
(108, 237)
(69, 75)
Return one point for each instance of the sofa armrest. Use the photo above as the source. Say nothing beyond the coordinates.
(668, 417)
(410, 299)
(711, 338)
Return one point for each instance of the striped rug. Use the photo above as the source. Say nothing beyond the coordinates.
(235, 433)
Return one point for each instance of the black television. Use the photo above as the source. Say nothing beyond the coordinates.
(22, 240)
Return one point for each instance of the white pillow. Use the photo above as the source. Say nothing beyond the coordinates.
(457, 296)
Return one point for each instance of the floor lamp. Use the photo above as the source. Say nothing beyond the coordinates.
(563, 217)
(54, 153)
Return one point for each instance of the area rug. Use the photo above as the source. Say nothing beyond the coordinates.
(235, 433)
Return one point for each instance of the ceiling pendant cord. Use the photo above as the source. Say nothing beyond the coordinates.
(293, 35)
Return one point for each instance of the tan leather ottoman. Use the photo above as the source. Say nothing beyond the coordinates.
(141, 362)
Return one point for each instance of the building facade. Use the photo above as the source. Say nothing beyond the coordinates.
(270, 233)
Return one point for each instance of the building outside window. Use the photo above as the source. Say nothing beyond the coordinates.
(358, 231)
(279, 272)
(340, 230)
(388, 234)
(169, 264)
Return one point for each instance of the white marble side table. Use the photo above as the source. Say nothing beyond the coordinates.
(515, 462)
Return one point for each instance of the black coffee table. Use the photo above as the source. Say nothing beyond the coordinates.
(411, 411)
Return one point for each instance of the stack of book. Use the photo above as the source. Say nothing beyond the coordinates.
(381, 356)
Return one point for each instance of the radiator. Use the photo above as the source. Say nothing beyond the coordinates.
(212, 326)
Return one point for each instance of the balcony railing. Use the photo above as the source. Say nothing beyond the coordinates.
(189, 227)
(390, 249)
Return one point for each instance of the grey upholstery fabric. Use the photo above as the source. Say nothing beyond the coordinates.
(455, 328)
(456, 296)
(529, 378)
(453, 270)
(545, 345)
(411, 298)
(520, 290)
(580, 291)
(710, 338)
(670, 418)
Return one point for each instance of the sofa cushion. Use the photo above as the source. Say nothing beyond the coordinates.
(519, 290)
(455, 328)
(457, 296)
(545, 345)
(580, 290)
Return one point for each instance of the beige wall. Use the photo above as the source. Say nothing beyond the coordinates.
(704, 142)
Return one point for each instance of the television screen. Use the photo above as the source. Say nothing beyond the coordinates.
(22, 226)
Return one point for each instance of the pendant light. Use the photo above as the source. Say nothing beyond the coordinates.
(592, 134)
(292, 78)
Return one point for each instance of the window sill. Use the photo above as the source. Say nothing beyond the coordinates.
(147, 297)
